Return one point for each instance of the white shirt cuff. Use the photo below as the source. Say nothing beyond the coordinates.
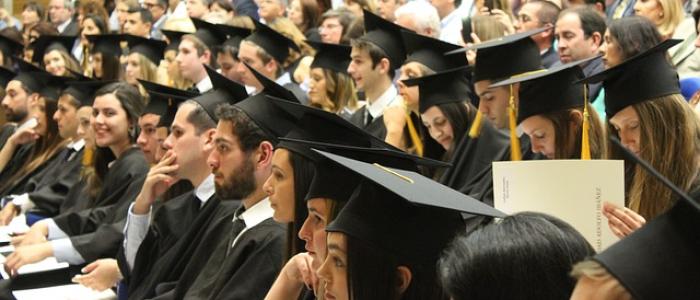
(64, 251)
(54, 231)
(23, 202)
(135, 232)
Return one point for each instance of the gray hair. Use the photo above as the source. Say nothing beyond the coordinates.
(424, 14)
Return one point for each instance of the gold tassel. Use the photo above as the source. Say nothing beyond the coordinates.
(88, 155)
(414, 135)
(515, 154)
(475, 129)
(585, 142)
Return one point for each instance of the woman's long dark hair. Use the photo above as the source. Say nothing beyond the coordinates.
(303, 174)
(372, 274)
(540, 252)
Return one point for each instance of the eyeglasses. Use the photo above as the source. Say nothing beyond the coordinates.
(147, 5)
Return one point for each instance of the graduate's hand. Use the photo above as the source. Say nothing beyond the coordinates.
(31, 237)
(100, 274)
(395, 121)
(159, 179)
(300, 270)
(27, 255)
(622, 220)
(23, 136)
(471, 54)
(7, 214)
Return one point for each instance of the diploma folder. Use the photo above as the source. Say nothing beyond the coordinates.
(572, 190)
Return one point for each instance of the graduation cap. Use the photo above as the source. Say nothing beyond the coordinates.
(445, 87)
(643, 77)
(235, 34)
(47, 43)
(174, 38)
(53, 85)
(6, 75)
(268, 116)
(331, 56)
(506, 56)
(332, 181)
(273, 42)
(26, 75)
(667, 245)
(164, 101)
(387, 36)
(106, 43)
(270, 87)
(10, 46)
(150, 48)
(402, 212)
(223, 90)
(431, 52)
(84, 90)
(208, 33)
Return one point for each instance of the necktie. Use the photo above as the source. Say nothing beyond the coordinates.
(238, 226)
(70, 154)
(368, 117)
(620, 9)
(193, 89)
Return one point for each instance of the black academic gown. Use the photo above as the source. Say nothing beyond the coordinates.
(375, 128)
(19, 159)
(247, 272)
(5, 132)
(97, 232)
(171, 221)
(190, 251)
(48, 189)
(298, 92)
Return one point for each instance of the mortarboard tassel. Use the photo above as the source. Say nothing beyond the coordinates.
(585, 143)
(414, 134)
(88, 155)
(515, 154)
(475, 129)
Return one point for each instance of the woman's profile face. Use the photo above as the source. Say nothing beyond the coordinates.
(334, 268)
(280, 187)
(133, 69)
(438, 126)
(317, 87)
(37, 109)
(627, 126)
(611, 51)
(410, 93)
(313, 231)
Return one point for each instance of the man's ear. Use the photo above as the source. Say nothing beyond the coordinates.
(208, 139)
(597, 39)
(205, 58)
(384, 65)
(264, 153)
(403, 280)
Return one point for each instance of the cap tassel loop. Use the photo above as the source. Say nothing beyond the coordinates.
(585, 143)
(413, 133)
(515, 152)
(475, 129)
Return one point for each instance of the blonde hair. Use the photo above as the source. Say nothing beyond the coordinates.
(148, 71)
(670, 142)
(340, 92)
(487, 27)
(673, 15)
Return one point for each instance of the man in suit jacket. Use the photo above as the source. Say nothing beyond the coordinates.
(620, 9)
(61, 16)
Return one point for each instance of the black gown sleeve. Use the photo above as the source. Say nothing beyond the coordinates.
(50, 190)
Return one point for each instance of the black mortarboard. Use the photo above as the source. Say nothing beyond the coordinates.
(223, 90)
(273, 42)
(235, 34)
(208, 33)
(550, 90)
(9, 46)
(150, 48)
(5, 76)
(268, 116)
(164, 101)
(331, 56)
(431, 52)
(440, 88)
(53, 85)
(387, 36)
(332, 181)
(26, 75)
(84, 90)
(270, 87)
(643, 77)
(174, 38)
(506, 56)
(659, 260)
(402, 212)
(46, 43)
(106, 43)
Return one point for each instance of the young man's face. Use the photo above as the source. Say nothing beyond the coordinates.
(233, 168)
(248, 53)
(493, 102)
(189, 61)
(147, 139)
(191, 149)
(66, 117)
(361, 69)
(15, 104)
(196, 8)
(134, 25)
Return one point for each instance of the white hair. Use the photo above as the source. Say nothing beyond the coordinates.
(423, 13)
